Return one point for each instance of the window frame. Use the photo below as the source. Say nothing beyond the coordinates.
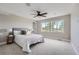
(53, 21)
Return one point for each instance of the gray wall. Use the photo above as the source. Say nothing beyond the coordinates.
(9, 21)
(55, 35)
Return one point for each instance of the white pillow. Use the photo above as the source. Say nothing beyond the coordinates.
(16, 32)
(29, 32)
(10, 30)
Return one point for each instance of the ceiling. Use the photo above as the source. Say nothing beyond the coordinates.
(21, 9)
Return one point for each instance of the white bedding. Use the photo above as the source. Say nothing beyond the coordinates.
(26, 40)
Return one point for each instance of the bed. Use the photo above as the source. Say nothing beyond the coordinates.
(26, 40)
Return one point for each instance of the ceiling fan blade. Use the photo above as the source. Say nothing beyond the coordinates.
(44, 13)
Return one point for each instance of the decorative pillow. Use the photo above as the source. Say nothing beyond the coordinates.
(29, 32)
(23, 32)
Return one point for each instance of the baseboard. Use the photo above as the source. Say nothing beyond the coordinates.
(75, 50)
(2, 43)
(63, 40)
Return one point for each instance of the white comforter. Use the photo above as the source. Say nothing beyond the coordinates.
(26, 40)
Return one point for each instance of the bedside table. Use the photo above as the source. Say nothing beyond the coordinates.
(10, 39)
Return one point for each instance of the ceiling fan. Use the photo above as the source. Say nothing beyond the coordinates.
(39, 14)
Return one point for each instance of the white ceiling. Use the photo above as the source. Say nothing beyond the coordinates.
(21, 9)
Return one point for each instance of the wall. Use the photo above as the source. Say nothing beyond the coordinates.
(75, 28)
(9, 21)
(55, 35)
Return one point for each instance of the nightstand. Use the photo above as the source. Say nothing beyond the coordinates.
(10, 39)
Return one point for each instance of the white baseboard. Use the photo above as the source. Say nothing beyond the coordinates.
(2, 43)
(75, 50)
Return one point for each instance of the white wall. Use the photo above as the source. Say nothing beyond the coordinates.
(75, 28)
(9, 21)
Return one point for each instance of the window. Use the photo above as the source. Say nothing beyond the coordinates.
(46, 26)
(52, 26)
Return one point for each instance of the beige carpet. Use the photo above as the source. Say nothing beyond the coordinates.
(49, 47)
